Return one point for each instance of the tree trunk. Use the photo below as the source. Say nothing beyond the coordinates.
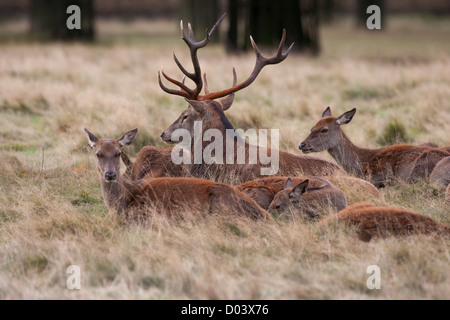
(264, 20)
(48, 20)
(202, 14)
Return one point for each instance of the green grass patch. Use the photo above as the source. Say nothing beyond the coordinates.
(393, 133)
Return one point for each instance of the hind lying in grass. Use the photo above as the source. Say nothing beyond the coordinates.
(168, 195)
(308, 201)
(380, 222)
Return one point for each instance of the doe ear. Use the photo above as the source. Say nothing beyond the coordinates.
(346, 117)
(199, 106)
(288, 183)
(300, 188)
(326, 113)
(91, 138)
(127, 138)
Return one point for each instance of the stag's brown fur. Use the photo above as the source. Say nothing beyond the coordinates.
(155, 163)
(373, 222)
(380, 166)
(169, 195)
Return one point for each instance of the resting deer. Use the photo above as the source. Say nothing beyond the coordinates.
(308, 201)
(441, 172)
(170, 195)
(210, 112)
(264, 190)
(372, 221)
(405, 162)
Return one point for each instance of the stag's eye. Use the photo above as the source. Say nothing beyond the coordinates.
(99, 155)
(324, 130)
(117, 154)
(184, 118)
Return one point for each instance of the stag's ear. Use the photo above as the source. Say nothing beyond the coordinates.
(127, 138)
(91, 138)
(326, 113)
(299, 189)
(227, 102)
(199, 106)
(346, 117)
(288, 183)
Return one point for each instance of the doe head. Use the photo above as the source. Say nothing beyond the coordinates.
(327, 133)
(290, 199)
(108, 153)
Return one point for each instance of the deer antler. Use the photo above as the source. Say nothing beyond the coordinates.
(194, 94)
(260, 63)
(196, 76)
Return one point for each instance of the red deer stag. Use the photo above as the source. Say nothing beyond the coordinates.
(206, 110)
(372, 221)
(405, 162)
(169, 195)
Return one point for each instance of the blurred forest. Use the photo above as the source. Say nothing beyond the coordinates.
(263, 19)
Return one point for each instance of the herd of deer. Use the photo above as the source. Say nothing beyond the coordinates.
(305, 185)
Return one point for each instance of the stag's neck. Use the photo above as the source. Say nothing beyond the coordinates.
(114, 195)
(228, 136)
(349, 156)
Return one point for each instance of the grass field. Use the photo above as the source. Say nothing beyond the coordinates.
(52, 213)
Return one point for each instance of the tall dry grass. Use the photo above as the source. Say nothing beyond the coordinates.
(51, 210)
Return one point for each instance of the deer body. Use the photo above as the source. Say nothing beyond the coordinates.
(372, 221)
(405, 162)
(171, 195)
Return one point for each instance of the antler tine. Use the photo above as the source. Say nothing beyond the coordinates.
(205, 82)
(260, 63)
(195, 76)
(176, 82)
(172, 91)
(279, 57)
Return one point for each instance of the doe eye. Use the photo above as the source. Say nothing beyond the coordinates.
(99, 155)
(324, 130)
(117, 155)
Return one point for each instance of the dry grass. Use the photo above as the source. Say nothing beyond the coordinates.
(51, 210)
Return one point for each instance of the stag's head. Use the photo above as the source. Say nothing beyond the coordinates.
(326, 134)
(205, 107)
(108, 153)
